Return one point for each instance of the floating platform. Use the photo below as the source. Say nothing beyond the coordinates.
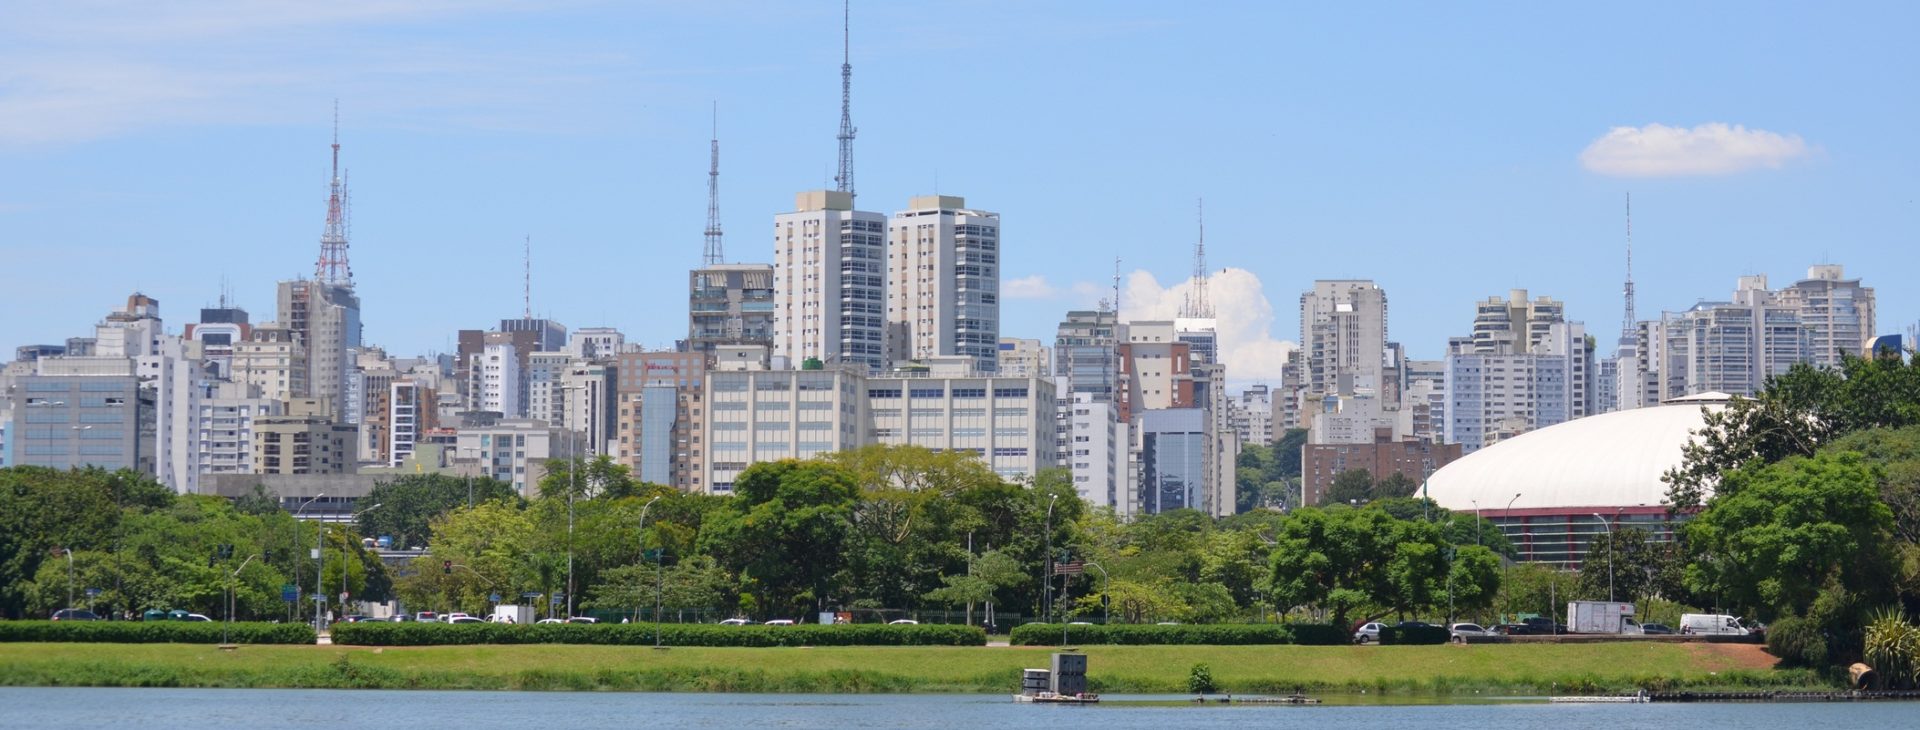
(1050, 698)
(1257, 700)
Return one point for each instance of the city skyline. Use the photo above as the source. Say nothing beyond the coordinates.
(1451, 212)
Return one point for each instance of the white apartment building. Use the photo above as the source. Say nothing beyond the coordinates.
(829, 280)
(1733, 347)
(273, 361)
(1838, 312)
(545, 400)
(223, 432)
(494, 380)
(410, 411)
(516, 450)
(596, 343)
(1007, 422)
(1343, 341)
(1252, 415)
(590, 398)
(943, 281)
(769, 415)
(1493, 396)
(1096, 452)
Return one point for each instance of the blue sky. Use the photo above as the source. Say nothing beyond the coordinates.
(1450, 152)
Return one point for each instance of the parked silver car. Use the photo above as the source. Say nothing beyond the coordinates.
(1368, 633)
(1459, 632)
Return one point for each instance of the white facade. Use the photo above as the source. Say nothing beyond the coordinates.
(943, 281)
(1343, 340)
(1007, 422)
(1096, 453)
(589, 401)
(516, 450)
(545, 400)
(494, 383)
(175, 379)
(593, 343)
(1252, 415)
(768, 415)
(409, 409)
(1024, 358)
(1733, 347)
(1492, 396)
(1837, 311)
(223, 430)
(829, 280)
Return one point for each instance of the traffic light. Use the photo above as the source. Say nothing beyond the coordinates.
(446, 566)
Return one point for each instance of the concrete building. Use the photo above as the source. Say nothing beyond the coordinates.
(660, 411)
(545, 400)
(130, 332)
(590, 399)
(1024, 358)
(175, 379)
(1499, 394)
(1515, 324)
(223, 434)
(830, 282)
(494, 380)
(1009, 423)
(943, 282)
(272, 360)
(1252, 415)
(63, 421)
(516, 450)
(1415, 460)
(325, 319)
(1092, 437)
(525, 341)
(1838, 313)
(219, 329)
(410, 414)
(306, 439)
(1343, 341)
(1733, 346)
(731, 304)
(548, 335)
(596, 343)
(768, 415)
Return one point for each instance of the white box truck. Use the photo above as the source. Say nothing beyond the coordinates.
(1601, 617)
(511, 613)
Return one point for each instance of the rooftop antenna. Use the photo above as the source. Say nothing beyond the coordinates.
(713, 255)
(844, 181)
(526, 282)
(332, 268)
(1197, 305)
(1627, 325)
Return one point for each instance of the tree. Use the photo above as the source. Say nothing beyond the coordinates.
(1394, 485)
(409, 504)
(1349, 487)
(786, 533)
(1775, 534)
(1473, 580)
(1642, 568)
(1331, 558)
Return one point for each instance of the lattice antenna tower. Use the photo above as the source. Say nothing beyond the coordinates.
(332, 268)
(526, 280)
(714, 255)
(1197, 304)
(844, 181)
(1627, 324)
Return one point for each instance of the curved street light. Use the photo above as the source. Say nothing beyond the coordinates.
(321, 556)
(1106, 583)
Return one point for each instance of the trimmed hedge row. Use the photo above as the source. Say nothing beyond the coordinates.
(1412, 635)
(382, 633)
(155, 632)
(1219, 634)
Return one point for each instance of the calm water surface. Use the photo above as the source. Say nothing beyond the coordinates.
(163, 709)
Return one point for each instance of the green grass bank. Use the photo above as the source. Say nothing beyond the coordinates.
(1411, 670)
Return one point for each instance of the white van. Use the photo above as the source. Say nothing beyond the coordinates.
(1711, 624)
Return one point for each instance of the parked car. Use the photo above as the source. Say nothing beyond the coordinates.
(903, 622)
(194, 617)
(734, 622)
(426, 616)
(448, 618)
(353, 619)
(1536, 626)
(551, 621)
(399, 617)
(1656, 629)
(583, 620)
(1368, 632)
(464, 619)
(75, 614)
(1459, 632)
(780, 622)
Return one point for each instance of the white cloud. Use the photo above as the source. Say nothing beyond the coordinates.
(1657, 150)
(1242, 314)
(1028, 287)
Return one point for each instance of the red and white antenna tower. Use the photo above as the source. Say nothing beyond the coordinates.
(332, 268)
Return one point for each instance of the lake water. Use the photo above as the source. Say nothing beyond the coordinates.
(163, 709)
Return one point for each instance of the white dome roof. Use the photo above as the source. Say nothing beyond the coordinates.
(1610, 460)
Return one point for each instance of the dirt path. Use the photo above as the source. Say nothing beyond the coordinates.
(1741, 656)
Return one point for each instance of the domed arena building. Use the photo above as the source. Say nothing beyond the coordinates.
(1552, 491)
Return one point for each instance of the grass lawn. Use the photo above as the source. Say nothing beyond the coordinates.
(1402, 669)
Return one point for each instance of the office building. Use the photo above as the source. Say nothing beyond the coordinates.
(306, 439)
(660, 411)
(324, 319)
(731, 304)
(516, 450)
(223, 433)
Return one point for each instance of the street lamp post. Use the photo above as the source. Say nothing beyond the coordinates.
(69, 552)
(1477, 532)
(346, 556)
(226, 635)
(1046, 565)
(1609, 526)
(296, 549)
(1106, 599)
(660, 576)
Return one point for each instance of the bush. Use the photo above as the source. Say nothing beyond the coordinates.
(1217, 634)
(1410, 635)
(155, 632)
(1200, 680)
(381, 633)
(1798, 642)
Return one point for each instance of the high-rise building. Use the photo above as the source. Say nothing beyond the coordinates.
(1732, 347)
(306, 439)
(1024, 358)
(1515, 324)
(325, 319)
(1838, 313)
(493, 380)
(1252, 415)
(223, 434)
(1092, 437)
(1524, 367)
(589, 401)
(943, 281)
(730, 304)
(660, 415)
(830, 282)
(273, 360)
(1343, 338)
(596, 343)
(66, 421)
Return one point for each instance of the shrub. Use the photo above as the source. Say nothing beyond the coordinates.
(1200, 680)
(1798, 642)
(1218, 634)
(1408, 635)
(379, 633)
(155, 632)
